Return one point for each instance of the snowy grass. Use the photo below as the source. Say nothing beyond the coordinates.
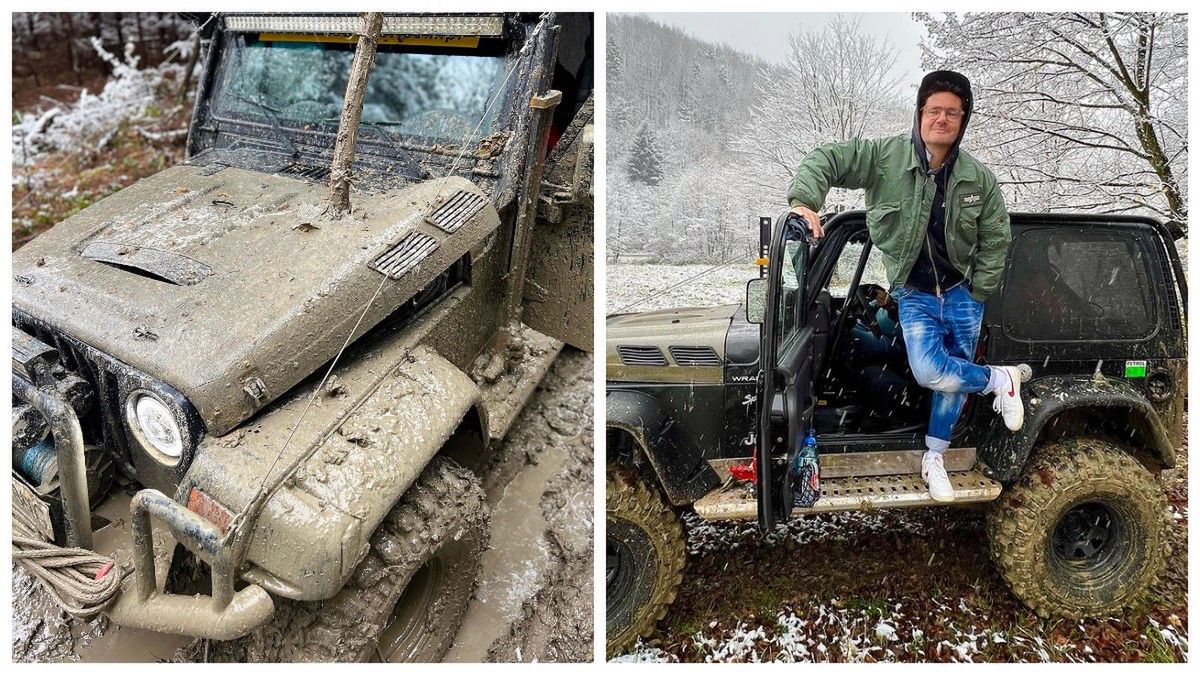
(639, 288)
(839, 632)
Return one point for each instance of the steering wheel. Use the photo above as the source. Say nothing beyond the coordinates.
(863, 294)
(444, 123)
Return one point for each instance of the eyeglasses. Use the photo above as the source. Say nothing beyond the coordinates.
(952, 114)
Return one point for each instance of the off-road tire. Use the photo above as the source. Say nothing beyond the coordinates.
(443, 516)
(639, 519)
(1078, 473)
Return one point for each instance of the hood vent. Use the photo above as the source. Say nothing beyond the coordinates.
(694, 356)
(172, 268)
(457, 210)
(305, 171)
(637, 355)
(405, 255)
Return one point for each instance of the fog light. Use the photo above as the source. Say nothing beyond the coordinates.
(155, 425)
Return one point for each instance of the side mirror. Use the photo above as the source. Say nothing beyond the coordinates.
(756, 300)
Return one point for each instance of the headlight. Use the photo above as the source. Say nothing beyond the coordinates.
(154, 424)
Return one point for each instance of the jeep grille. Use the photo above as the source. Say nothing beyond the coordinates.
(637, 355)
(83, 362)
(694, 356)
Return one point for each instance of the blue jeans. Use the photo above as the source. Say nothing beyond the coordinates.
(940, 336)
(866, 347)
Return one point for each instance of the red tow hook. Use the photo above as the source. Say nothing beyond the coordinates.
(745, 471)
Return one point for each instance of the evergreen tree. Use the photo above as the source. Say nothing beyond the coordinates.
(645, 158)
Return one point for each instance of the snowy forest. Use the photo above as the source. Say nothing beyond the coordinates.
(1075, 112)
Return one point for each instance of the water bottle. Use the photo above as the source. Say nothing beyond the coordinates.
(806, 473)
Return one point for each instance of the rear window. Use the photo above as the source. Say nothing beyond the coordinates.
(1071, 285)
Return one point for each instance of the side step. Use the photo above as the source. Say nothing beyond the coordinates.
(852, 493)
(506, 390)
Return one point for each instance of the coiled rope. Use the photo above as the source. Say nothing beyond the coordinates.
(67, 574)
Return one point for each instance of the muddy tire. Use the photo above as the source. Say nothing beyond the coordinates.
(1083, 533)
(407, 598)
(645, 556)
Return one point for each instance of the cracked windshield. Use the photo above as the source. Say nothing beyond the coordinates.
(299, 82)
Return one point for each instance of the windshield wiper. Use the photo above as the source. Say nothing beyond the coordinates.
(274, 115)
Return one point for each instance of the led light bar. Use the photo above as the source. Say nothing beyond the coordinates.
(487, 26)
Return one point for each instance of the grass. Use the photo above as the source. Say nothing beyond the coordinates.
(1160, 650)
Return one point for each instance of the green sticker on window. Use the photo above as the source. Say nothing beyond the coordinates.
(1135, 369)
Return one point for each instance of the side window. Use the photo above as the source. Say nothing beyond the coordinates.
(789, 293)
(1067, 285)
(847, 264)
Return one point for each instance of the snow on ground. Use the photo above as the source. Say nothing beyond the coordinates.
(642, 653)
(716, 537)
(639, 288)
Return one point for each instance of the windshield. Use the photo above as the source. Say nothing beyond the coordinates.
(291, 81)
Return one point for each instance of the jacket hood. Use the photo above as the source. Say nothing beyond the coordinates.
(968, 105)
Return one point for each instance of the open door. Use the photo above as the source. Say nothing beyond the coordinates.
(558, 284)
(785, 387)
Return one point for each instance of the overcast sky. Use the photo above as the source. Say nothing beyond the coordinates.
(765, 34)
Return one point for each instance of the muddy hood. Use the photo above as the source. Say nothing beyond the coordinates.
(211, 279)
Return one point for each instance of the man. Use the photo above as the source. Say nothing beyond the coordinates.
(936, 215)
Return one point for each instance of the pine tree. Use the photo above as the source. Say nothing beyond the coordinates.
(645, 159)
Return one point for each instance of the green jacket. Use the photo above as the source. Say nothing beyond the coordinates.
(899, 197)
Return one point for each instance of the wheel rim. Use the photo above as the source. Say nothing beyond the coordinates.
(405, 631)
(629, 569)
(1084, 533)
(1091, 544)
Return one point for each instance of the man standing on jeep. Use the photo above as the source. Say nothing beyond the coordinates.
(937, 216)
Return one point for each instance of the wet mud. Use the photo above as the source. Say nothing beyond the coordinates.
(534, 602)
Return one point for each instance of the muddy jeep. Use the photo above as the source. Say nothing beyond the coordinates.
(268, 415)
(1077, 522)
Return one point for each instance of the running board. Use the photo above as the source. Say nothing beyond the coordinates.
(874, 463)
(852, 493)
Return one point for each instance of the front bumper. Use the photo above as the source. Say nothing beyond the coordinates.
(141, 601)
(224, 615)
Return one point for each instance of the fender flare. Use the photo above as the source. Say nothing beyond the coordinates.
(678, 463)
(1004, 453)
(359, 456)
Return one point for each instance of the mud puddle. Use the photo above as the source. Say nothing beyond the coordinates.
(514, 564)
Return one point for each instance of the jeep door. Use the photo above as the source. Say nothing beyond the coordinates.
(785, 388)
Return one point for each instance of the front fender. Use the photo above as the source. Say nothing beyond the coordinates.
(1004, 453)
(677, 461)
(359, 448)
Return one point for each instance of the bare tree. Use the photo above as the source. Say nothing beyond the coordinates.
(836, 84)
(1076, 110)
(356, 91)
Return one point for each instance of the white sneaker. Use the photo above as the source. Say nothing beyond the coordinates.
(933, 470)
(1008, 398)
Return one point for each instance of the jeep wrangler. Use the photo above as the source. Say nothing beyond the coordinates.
(706, 408)
(267, 415)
